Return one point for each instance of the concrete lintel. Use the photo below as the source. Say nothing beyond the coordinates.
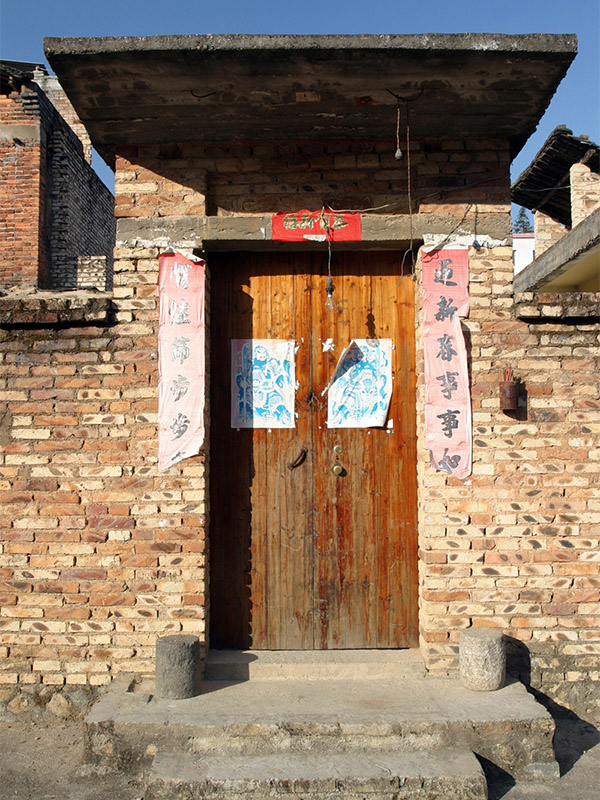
(253, 232)
(560, 257)
(25, 133)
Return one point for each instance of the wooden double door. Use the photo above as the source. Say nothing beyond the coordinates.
(301, 557)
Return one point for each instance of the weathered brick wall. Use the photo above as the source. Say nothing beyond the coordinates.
(82, 210)
(546, 231)
(98, 554)
(514, 546)
(22, 247)
(93, 272)
(192, 179)
(585, 192)
(55, 93)
(53, 206)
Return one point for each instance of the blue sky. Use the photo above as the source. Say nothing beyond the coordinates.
(23, 27)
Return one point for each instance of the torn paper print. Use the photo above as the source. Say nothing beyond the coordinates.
(360, 390)
(262, 383)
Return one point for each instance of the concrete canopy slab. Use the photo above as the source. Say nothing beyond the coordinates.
(573, 260)
(154, 90)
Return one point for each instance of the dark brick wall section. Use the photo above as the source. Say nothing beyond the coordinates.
(53, 206)
(82, 211)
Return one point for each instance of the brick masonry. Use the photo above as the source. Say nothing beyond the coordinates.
(547, 232)
(585, 192)
(99, 554)
(53, 206)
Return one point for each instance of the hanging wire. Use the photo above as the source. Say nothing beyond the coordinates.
(409, 188)
(326, 226)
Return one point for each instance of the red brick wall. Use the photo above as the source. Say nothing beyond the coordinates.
(53, 206)
(22, 245)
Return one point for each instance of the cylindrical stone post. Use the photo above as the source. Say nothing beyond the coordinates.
(482, 657)
(178, 669)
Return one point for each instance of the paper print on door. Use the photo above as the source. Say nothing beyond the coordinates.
(262, 383)
(361, 387)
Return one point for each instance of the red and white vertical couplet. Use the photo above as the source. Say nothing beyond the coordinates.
(181, 358)
(448, 425)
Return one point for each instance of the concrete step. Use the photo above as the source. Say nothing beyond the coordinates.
(440, 775)
(239, 665)
(260, 717)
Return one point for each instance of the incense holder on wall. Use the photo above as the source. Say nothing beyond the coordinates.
(509, 395)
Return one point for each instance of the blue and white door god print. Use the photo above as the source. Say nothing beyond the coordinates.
(263, 383)
(360, 390)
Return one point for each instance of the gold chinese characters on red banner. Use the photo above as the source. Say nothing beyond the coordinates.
(448, 425)
(316, 226)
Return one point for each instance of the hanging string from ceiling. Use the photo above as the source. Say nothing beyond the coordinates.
(398, 156)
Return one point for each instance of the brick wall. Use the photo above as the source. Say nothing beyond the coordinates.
(546, 231)
(23, 248)
(54, 92)
(270, 177)
(88, 581)
(82, 219)
(98, 553)
(516, 547)
(53, 206)
(585, 192)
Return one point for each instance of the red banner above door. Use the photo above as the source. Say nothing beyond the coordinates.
(316, 226)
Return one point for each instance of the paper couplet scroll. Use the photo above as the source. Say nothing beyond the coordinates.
(448, 424)
(181, 357)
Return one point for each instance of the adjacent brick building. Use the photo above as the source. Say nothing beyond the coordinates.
(54, 208)
(99, 552)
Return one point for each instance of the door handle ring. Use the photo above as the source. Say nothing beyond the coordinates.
(300, 459)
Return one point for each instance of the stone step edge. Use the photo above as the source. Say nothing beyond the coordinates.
(310, 665)
(354, 672)
(449, 773)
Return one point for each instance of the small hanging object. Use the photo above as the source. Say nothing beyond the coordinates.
(398, 153)
(330, 304)
(509, 391)
(476, 244)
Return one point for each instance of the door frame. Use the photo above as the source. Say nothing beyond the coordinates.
(270, 248)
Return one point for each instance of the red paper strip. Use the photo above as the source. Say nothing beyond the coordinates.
(181, 359)
(448, 424)
(319, 226)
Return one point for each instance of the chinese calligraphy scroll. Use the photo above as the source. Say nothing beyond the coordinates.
(262, 383)
(316, 226)
(448, 429)
(361, 387)
(181, 358)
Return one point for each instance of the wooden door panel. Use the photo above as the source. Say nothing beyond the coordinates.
(326, 561)
(272, 593)
(366, 561)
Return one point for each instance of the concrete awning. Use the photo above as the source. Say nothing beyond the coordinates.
(153, 90)
(571, 265)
